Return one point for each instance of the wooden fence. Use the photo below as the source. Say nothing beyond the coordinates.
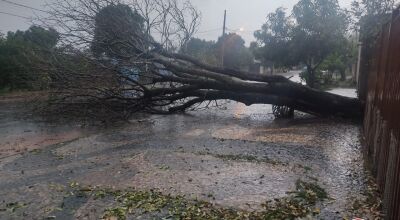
(382, 115)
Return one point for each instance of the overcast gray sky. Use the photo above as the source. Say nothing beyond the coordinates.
(247, 15)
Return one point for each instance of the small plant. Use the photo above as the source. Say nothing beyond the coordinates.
(119, 212)
(310, 192)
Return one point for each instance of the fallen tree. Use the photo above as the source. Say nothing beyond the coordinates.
(123, 70)
(168, 83)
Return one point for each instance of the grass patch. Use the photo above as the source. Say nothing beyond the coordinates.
(36, 151)
(310, 192)
(298, 204)
(13, 206)
(243, 158)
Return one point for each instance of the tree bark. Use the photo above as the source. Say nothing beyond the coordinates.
(343, 75)
(250, 88)
(177, 82)
(310, 79)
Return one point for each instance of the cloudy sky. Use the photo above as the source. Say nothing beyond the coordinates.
(247, 15)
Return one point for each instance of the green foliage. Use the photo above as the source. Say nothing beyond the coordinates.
(20, 53)
(202, 50)
(342, 58)
(298, 204)
(244, 158)
(318, 28)
(14, 206)
(275, 38)
(310, 192)
(118, 40)
(370, 15)
(333, 62)
(372, 7)
(232, 48)
(321, 27)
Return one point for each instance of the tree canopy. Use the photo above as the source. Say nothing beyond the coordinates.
(275, 36)
(111, 39)
(370, 15)
(315, 29)
(156, 79)
(19, 51)
(231, 48)
(202, 50)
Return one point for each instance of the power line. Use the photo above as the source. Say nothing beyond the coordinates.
(11, 14)
(240, 31)
(24, 6)
(211, 30)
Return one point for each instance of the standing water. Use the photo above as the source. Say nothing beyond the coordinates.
(236, 157)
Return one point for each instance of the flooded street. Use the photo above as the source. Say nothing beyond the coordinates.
(236, 157)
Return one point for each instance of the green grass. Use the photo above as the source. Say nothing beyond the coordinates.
(297, 204)
(245, 158)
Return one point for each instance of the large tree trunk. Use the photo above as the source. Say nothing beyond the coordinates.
(343, 75)
(310, 79)
(177, 82)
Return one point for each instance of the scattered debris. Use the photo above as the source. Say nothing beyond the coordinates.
(36, 151)
(245, 158)
(163, 167)
(371, 206)
(13, 206)
(298, 204)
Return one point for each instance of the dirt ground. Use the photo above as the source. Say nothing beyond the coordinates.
(238, 157)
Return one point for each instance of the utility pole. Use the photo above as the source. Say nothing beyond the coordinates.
(223, 40)
(224, 27)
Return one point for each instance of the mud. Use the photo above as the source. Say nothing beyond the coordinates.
(199, 155)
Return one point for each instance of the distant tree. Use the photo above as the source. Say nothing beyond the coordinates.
(235, 54)
(116, 40)
(341, 59)
(274, 39)
(368, 18)
(4, 75)
(370, 15)
(20, 54)
(36, 37)
(202, 50)
(318, 29)
(41, 38)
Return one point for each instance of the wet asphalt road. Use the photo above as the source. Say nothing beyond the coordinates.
(179, 155)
